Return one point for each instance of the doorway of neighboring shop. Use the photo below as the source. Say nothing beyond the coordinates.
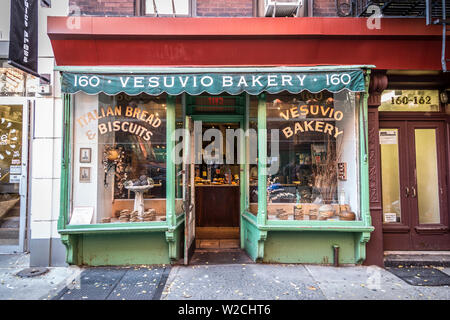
(13, 173)
(414, 169)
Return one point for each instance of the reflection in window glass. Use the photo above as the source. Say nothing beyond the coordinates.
(120, 157)
(312, 155)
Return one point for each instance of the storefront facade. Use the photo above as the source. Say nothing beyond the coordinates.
(299, 188)
(133, 134)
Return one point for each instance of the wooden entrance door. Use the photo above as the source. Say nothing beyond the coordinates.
(414, 185)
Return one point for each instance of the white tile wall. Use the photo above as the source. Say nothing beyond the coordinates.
(58, 117)
(46, 139)
(40, 229)
(42, 158)
(43, 118)
(59, 8)
(54, 229)
(57, 158)
(41, 199)
(56, 185)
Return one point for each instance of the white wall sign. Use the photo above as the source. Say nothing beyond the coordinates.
(388, 137)
(390, 217)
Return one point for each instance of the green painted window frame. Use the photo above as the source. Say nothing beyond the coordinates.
(261, 221)
(172, 220)
(363, 225)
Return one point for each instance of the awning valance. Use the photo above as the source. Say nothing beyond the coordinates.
(214, 81)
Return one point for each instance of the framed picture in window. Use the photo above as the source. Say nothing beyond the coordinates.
(85, 155)
(85, 174)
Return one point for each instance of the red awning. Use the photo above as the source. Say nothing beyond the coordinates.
(142, 41)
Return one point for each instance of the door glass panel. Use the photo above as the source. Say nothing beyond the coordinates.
(427, 176)
(390, 175)
(10, 172)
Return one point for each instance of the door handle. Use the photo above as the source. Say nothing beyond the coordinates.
(407, 192)
(414, 192)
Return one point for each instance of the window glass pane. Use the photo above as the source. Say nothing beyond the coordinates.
(427, 176)
(10, 172)
(410, 100)
(312, 155)
(165, 7)
(119, 158)
(390, 175)
(14, 82)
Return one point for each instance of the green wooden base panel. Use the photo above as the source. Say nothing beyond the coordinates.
(123, 249)
(310, 247)
(253, 240)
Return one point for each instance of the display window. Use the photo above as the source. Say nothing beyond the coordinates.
(313, 156)
(119, 159)
(15, 83)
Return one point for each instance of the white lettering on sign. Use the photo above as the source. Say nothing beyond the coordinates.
(336, 79)
(227, 81)
(239, 81)
(26, 38)
(206, 84)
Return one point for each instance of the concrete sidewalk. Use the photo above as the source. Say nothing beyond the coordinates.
(13, 287)
(293, 282)
(239, 281)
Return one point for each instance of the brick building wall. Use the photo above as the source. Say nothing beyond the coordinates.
(204, 8)
(324, 8)
(103, 7)
(224, 8)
